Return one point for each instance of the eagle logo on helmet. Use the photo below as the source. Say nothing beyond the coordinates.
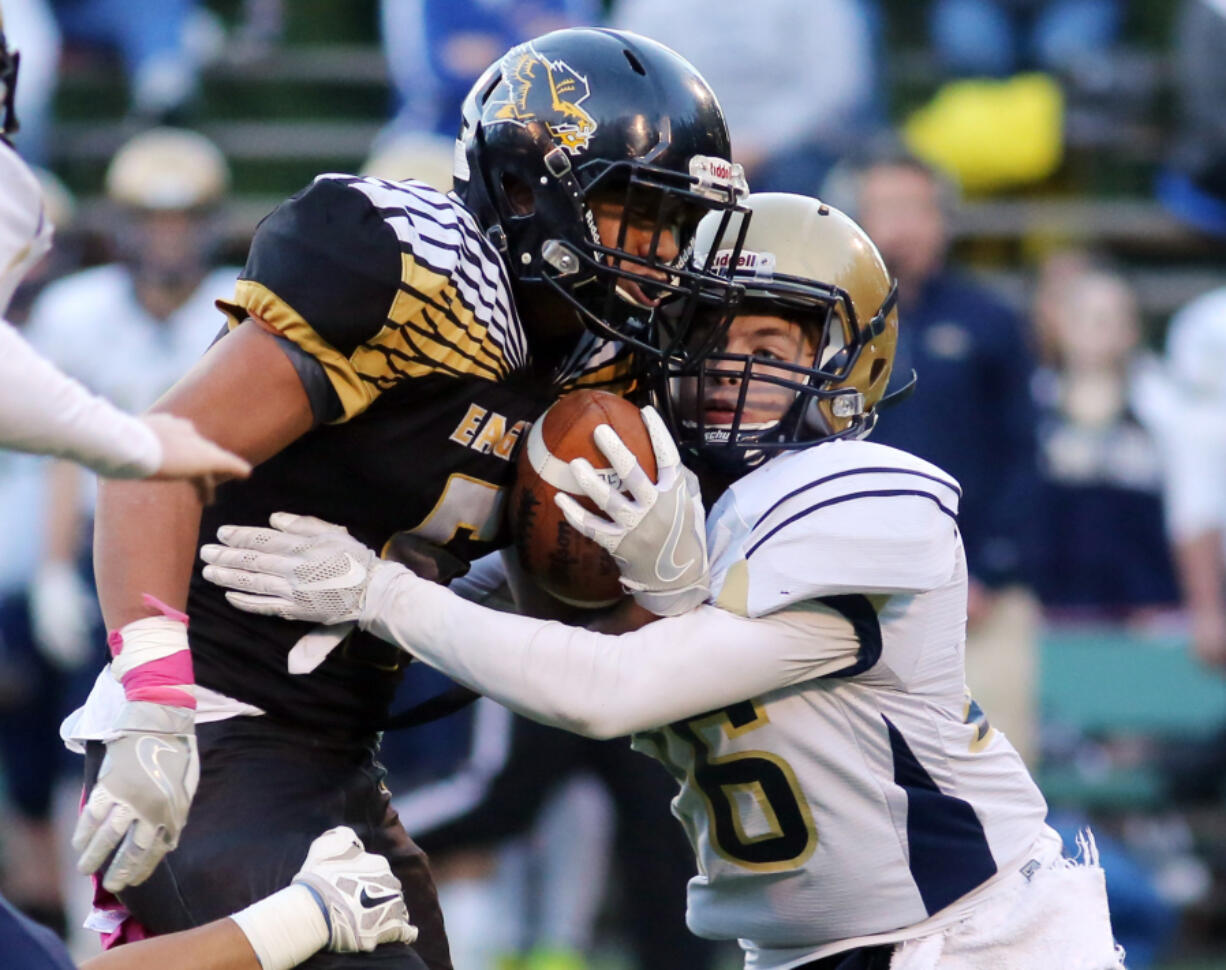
(534, 88)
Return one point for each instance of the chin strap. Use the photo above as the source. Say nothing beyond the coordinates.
(900, 395)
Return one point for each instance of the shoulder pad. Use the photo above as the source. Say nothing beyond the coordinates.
(840, 517)
(329, 256)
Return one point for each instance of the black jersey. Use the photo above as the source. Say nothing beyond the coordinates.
(398, 315)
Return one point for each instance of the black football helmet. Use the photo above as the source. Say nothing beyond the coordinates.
(8, 85)
(589, 114)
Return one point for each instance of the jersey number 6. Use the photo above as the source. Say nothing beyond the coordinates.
(766, 778)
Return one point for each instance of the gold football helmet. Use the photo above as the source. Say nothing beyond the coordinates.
(809, 264)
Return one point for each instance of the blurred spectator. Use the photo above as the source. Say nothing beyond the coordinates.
(1193, 184)
(1000, 37)
(1194, 442)
(797, 81)
(971, 414)
(152, 40)
(436, 49)
(1102, 551)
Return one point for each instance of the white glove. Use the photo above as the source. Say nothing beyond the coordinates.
(185, 453)
(360, 897)
(343, 898)
(301, 569)
(658, 537)
(142, 795)
(61, 607)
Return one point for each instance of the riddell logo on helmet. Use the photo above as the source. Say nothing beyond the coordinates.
(534, 88)
(747, 262)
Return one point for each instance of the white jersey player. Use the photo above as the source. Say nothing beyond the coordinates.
(43, 411)
(849, 805)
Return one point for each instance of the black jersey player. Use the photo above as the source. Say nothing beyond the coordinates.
(387, 346)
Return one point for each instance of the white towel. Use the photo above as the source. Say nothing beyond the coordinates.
(1057, 919)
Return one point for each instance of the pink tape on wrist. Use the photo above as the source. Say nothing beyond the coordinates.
(167, 611)
(163, 681)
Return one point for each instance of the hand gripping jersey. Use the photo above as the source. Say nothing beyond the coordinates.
(398, 316)
(875, 795)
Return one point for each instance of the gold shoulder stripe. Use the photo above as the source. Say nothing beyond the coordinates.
(615, 377)
(449, 338)
(355, 394)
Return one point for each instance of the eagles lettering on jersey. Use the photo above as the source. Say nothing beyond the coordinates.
(380, 282)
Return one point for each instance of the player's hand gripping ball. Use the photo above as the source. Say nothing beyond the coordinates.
(564, 563)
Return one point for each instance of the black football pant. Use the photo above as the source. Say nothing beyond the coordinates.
(266, 791)
(653, 857)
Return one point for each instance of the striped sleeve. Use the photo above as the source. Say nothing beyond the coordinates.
(864, 530)
(381, 282)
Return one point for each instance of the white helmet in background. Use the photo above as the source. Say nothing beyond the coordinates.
(168, 169)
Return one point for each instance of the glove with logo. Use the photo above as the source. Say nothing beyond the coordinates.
(658, 536)
(360, 897)
(343, 898)
(302, 568)
(142, 795)
(149, 775)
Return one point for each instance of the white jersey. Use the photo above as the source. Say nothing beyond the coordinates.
(875, 796)
(838, 785)
(25, 229)
(41, 410)
(1193, 435)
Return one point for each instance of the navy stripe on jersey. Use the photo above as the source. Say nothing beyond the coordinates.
(870, 470)
(948, 852)
(853, 496)
(859, 612)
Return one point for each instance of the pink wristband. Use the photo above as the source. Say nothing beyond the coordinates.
(169, 677)
(162, 681)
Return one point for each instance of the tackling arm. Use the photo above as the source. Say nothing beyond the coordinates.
(591, 683)
(596, 684)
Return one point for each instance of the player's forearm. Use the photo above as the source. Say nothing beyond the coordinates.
(46, 412)
(1202, 573)
(144, 543)
(245, 395)
(587, 682)
(219, 945)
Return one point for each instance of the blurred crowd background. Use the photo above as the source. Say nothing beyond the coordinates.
(1046, 178)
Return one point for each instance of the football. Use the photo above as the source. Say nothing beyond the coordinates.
(564, 563)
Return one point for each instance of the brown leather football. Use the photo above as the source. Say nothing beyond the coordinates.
(564, 563)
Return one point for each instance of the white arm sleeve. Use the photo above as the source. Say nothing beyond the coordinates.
(48, 413)
(598, 685)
